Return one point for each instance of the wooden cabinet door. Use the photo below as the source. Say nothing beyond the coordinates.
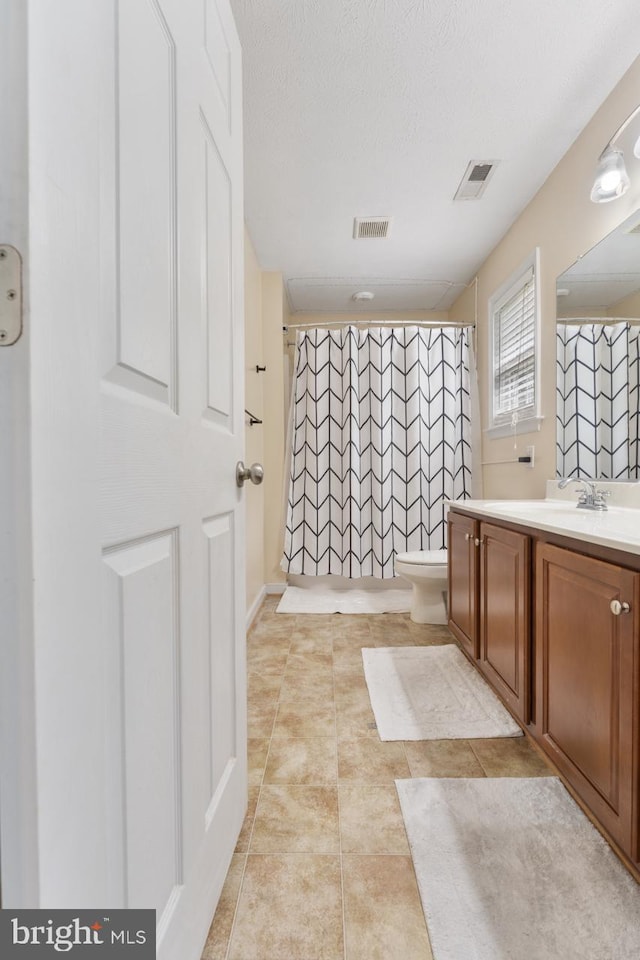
(462, 575)
(505, 614)
(586, 678)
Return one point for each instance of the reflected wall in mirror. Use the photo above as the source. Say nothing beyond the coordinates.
(598, 360)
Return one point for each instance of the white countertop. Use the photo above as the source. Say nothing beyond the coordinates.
(617, 527)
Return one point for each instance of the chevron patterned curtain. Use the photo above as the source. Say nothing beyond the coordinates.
(597, 401)
(381, 436)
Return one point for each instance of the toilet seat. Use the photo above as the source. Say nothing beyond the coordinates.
(423, 557)
(423, 564)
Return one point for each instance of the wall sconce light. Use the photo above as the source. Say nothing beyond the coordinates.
(612, 179)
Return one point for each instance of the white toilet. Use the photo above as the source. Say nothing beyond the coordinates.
(426, 570)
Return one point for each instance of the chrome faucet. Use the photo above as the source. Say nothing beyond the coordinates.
(591, 498)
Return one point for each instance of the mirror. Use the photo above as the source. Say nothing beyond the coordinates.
(598, 366)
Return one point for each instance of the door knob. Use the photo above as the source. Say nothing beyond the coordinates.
(255, 473)
(617, 607)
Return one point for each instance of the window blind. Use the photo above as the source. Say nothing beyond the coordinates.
(514, 339)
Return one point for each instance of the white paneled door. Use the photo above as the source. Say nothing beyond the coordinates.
(136, 731)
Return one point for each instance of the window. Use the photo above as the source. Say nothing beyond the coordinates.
(513, 316)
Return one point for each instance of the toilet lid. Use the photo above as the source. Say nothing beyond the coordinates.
(424, 557)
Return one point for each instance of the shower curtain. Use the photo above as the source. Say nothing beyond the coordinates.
(381, 436)
(598, 393)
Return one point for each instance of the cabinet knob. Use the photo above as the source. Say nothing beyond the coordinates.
(617, 607)
(479, 543)
(467, 536)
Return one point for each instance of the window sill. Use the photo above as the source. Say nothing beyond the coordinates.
(526, 425)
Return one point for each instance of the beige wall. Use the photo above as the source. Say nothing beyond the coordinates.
(266, 312)
(254, 496)
(628, 307)
(274, 314)
(563, 222)
(583, 313)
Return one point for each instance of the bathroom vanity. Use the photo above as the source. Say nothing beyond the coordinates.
(544, 599)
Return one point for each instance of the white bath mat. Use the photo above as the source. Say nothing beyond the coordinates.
(432, 693)
(511, 869)
(331, 600)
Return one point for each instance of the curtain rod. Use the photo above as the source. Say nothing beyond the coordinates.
(376, 323)
(587, 320)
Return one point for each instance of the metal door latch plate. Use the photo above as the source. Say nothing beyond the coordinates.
(10, 295)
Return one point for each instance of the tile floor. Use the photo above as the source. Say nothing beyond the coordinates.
(322, 869)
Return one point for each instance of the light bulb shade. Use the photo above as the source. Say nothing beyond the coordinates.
(612, 179)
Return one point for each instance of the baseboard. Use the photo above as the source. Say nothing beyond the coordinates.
(255, 606)
(275, 587)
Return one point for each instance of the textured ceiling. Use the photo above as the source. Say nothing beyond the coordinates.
(374, 108)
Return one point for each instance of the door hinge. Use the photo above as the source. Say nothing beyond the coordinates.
(10, 295)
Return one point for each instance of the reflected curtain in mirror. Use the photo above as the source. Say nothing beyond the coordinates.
(381, 437)
(598, 372)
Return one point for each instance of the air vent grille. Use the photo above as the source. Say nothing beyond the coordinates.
(480, 172)
(475, 179)
(371, 228)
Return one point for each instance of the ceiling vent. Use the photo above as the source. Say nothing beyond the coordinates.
(371, 228)
(475, 180)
